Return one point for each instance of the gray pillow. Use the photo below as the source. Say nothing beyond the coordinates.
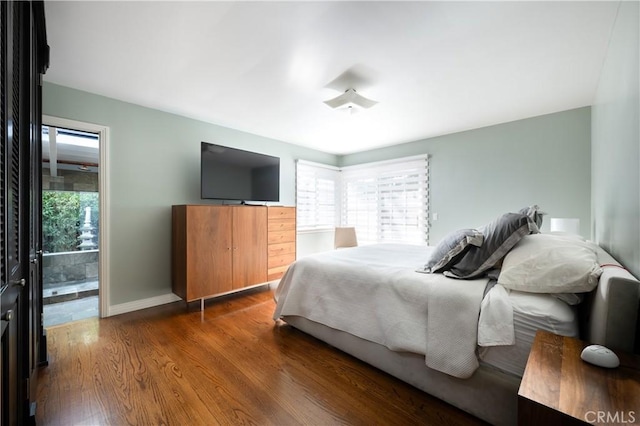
(499, 237)
(534, 213)
(450, 248)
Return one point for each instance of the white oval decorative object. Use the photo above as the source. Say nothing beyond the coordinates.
(600, 356)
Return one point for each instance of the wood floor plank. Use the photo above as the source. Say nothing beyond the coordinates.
(230, 364)
(231, 386)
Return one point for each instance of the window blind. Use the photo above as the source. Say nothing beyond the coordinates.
(388, 201)
(317, 187)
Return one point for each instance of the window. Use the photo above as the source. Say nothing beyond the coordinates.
(388, 201)
(385, 201)
(317, 187)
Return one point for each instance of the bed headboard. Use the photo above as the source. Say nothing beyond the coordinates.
(609, 314)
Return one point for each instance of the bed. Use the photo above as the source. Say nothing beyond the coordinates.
(462, 333)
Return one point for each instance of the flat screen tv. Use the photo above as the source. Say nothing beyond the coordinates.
(236, 175)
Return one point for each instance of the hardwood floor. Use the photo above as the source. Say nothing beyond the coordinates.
(230, 364)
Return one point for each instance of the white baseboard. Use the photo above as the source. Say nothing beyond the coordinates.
(136, 305)
(163, 299)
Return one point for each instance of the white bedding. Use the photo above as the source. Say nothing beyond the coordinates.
(531, 312)
(373, 292)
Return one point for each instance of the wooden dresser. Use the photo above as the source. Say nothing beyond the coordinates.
(281, 240)
(221, 249)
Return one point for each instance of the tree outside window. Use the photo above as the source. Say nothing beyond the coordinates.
(63, 212)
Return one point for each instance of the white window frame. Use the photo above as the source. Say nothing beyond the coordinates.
(378, 172)
(104, 280)
(396, 206)
(319, 210)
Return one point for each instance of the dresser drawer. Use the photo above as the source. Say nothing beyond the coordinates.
(276, 237)
(280, 260)
(279, 213)
(281, 225)
(281, 248)
(277, 272)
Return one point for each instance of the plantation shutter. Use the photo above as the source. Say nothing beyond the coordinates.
(3, 146)
(388, 201)
(316, 196)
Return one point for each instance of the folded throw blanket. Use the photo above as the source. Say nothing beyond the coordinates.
(452, 326)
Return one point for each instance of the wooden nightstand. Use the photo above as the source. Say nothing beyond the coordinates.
(558, 388)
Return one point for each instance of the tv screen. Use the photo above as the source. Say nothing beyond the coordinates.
(237, 175)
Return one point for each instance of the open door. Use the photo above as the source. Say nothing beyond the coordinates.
(70, 223)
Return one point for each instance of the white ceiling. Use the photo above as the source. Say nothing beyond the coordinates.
(262, 67)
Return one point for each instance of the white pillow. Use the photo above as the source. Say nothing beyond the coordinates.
(544, 263)
(567, 235)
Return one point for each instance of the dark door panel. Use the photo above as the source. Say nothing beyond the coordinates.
(23, 58)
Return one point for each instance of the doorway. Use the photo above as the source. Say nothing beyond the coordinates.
(72, 206)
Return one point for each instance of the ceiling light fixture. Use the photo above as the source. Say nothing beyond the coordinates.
(351, 101)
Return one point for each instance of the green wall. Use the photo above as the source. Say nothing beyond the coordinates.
(475, 175)
(154, 162)
(616, 143)
(479, 174)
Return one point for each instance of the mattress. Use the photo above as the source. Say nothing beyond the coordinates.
(531, 312)
(374, 293)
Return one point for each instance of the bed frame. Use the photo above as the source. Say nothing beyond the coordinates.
(608, 316)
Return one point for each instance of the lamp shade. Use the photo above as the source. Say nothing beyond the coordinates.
(567, 225)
